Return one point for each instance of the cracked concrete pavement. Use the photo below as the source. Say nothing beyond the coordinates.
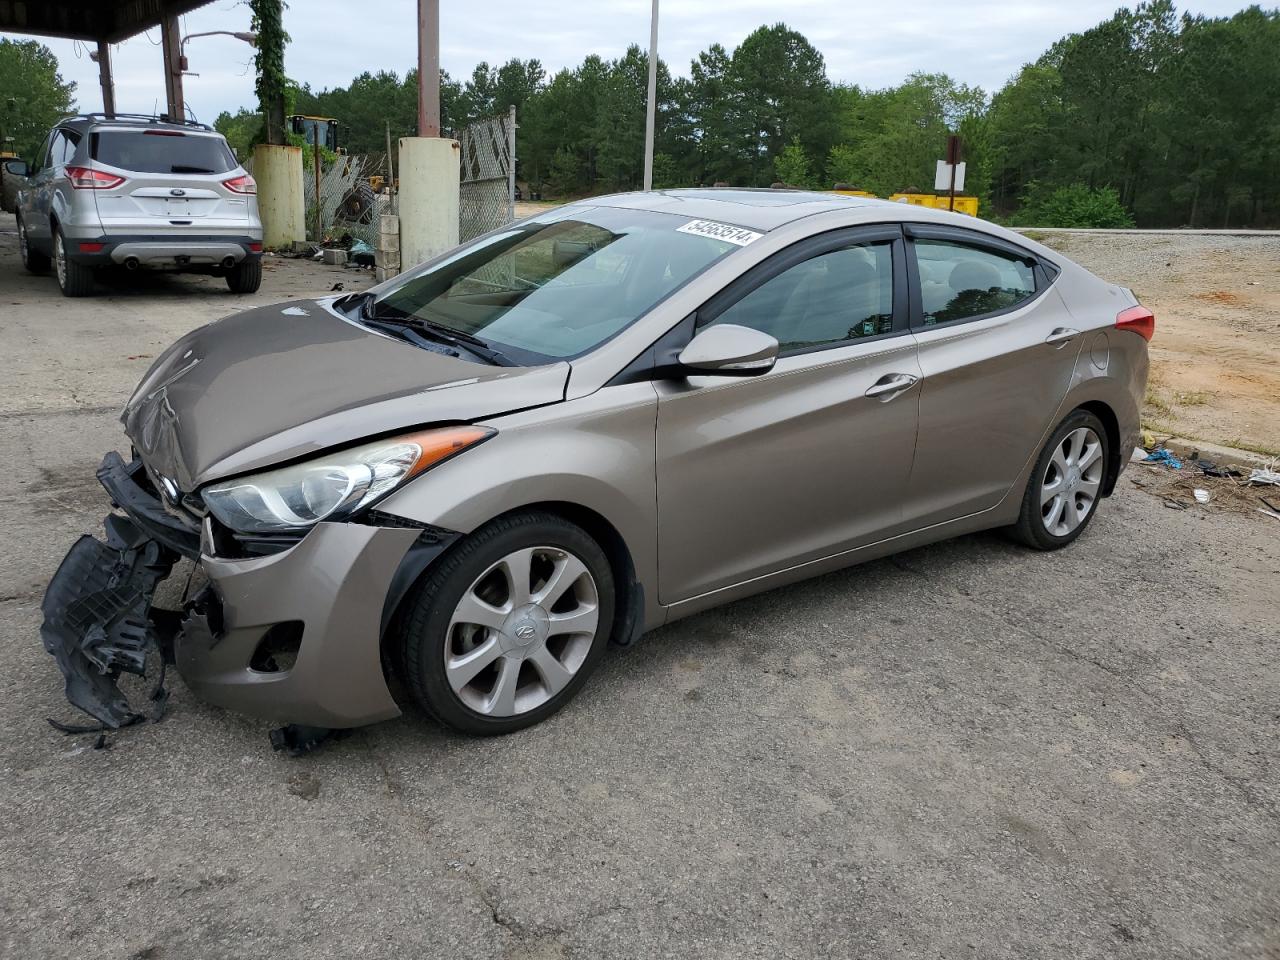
(968, 750)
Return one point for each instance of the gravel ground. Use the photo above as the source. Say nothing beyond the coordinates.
(968, 750)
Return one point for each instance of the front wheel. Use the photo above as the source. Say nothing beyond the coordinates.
(506, 629)
(1066, 484)
(32, 259)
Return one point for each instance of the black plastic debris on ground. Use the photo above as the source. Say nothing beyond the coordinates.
(298, 739)
(98, 622)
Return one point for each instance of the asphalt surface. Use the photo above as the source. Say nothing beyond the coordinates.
(969, 750)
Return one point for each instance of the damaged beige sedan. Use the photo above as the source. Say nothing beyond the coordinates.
(572, 430)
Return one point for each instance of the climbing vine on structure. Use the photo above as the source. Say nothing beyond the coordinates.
(268, 24)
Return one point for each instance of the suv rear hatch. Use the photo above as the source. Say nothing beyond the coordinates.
(172, 179)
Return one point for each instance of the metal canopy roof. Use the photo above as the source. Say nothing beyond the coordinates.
(93, 20)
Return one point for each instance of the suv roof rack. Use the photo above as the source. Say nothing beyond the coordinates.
(149, 118)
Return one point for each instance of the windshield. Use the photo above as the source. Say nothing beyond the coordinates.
(161, 151)
(559, 285)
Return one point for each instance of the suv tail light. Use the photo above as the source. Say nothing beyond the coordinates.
(1140, 320)
(85, 178)
(245, 184)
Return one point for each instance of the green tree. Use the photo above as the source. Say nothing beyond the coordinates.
(792, 165)
(780, 91)
(30, 69)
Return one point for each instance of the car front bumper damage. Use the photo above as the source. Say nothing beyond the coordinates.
(294, 635)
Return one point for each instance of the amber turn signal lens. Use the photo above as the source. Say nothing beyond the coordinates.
(442, 443)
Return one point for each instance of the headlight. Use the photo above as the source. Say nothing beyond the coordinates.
(335, 486)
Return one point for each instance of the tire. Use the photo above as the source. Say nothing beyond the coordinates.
(517, 646)
(1043, 524)
(74, 279)
(35, 261)
(245, 276)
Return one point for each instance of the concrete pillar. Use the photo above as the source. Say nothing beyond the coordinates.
(278, 170)
(429, 174)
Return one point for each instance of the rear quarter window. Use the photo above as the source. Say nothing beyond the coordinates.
(161, 151)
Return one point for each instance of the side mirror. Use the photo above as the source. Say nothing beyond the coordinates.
(17, 167)
(729, 350)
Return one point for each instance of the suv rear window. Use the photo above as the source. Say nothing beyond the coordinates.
(161, 151)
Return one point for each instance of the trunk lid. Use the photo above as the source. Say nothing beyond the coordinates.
(286, 381)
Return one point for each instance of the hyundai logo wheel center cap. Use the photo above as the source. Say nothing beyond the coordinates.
(525, 629)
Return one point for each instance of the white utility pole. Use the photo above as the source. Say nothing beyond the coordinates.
(653, 98)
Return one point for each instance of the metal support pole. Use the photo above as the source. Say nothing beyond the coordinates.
(315, 162)
(391, 173)
(511, 163)
(953, 158)
(171, 45)
(653, 98)
(428, 68)
(104, 77)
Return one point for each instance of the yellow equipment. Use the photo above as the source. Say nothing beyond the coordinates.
(967, 205)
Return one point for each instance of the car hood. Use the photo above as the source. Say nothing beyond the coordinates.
(285, 381)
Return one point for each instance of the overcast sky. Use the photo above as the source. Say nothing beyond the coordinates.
(873, 45)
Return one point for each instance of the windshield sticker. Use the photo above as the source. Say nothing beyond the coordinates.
(720, 231)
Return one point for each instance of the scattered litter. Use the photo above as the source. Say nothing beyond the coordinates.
(1173, 504)
(336, 286)
(1268, 513)
(1201, 495)
(1138, 455)
(1270, 504)
(1258, 475)
(1161, 455)
(1211, 469)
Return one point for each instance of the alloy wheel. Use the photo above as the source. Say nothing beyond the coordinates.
(60, 258)
(521, 631)
(1071, 482)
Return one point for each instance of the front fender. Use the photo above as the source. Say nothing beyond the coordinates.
(597, 452)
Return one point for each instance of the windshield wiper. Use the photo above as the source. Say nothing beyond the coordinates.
(435, 331)
(183, 168)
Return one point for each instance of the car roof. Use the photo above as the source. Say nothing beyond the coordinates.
(756, 209)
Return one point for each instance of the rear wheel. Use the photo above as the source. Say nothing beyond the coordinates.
(32, 259)
(74, 279)
(509, 625)
(1066, 484)
(245, 276)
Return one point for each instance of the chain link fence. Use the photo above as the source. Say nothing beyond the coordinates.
(348, 202)
(485, 201)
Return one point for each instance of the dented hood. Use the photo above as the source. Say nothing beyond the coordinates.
(282, 382)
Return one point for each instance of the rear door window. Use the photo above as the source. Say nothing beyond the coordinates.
(960, 282)
(162, 151)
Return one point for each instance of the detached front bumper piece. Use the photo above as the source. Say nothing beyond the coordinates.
(290, 632)
(97, 616)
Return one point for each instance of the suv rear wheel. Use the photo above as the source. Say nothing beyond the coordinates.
(74, 279)
(245, 276)
(32, 259)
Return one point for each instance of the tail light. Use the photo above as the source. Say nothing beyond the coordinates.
(1139, 320)
(255, 246)
(85, 178)
(245, 184)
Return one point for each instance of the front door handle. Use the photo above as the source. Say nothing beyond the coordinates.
(890, 385)
(1062, 335)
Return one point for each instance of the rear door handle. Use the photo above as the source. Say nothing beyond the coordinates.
(890, 385)
(1062, 335)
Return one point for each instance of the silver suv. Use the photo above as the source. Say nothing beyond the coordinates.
(137, 192)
